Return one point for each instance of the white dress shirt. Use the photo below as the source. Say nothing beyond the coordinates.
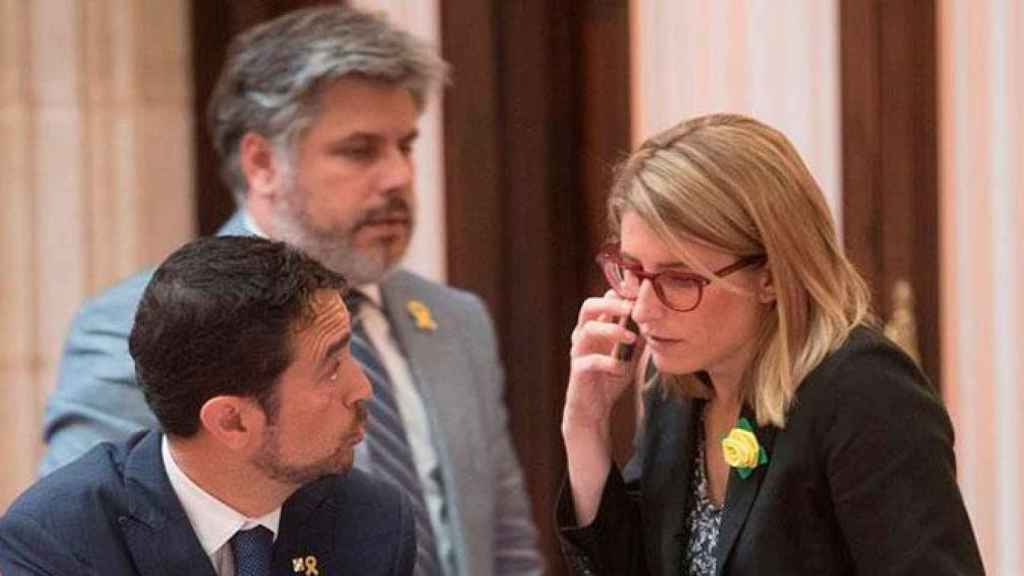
(213, 521)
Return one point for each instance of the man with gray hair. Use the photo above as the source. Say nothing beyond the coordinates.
(314, 117)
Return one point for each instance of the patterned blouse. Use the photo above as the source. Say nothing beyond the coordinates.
(703, 519)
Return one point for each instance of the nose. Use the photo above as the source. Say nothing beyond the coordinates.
(397, 171)
(647, 305)
(365, 389)
(358, 388)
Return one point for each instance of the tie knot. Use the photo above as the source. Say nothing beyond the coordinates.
(253, 551)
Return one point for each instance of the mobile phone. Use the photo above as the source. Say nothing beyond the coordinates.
(624, 351)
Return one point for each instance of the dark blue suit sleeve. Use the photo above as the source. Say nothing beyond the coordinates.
(406, 545)
(26, 548)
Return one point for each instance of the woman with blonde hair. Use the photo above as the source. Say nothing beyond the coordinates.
(782, 434)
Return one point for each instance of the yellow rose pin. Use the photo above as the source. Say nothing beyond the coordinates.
(421, 315)
(742, 450)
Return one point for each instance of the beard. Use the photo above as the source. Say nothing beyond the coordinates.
(335, 248)
(273, 464)
(270, 461)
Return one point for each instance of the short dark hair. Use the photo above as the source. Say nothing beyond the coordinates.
(218, 318)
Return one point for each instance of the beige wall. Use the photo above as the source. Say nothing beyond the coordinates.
(982, 214)
(776, 61)
(95, 153)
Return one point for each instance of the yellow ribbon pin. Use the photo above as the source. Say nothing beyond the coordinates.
(421, 315)
(307, 564)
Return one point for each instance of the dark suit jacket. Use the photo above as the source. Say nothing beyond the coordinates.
(113, 512)
(861, 481)
(455, 367)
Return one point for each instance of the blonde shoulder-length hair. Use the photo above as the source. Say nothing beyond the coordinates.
(733, 183)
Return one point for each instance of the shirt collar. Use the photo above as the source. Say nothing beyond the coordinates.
(372, 293)
(213, 521)
(251, 225)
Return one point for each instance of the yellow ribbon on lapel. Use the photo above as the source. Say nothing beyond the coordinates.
(421, 315)
(307, 564)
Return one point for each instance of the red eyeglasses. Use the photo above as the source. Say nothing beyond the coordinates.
(679, 291)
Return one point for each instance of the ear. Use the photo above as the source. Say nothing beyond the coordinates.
(233, 421)
(260, 165)
(765, 285)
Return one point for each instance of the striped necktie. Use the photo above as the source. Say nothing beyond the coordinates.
(253, 550)
(386, 440)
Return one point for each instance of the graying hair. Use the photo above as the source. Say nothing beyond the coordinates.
(275, 71)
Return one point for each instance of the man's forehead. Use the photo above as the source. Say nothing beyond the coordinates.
(326, 302)
(356, 99)
(327, 315)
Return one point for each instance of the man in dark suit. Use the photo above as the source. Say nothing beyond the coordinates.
(315, 118)
(241, 347)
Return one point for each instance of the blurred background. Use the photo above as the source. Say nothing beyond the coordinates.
(908, 112)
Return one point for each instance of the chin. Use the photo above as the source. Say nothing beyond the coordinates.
(669, 364)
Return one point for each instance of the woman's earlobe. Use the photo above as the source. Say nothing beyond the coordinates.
(766, 287)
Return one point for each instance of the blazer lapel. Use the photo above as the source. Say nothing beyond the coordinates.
(668, 461)
(444, 377)
(304, 546)
(441, 372)
(157, 531)
(741, 493)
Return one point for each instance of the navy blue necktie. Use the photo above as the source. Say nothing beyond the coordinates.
(387, 442)
(253, 550)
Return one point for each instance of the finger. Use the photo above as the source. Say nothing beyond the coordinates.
(595, 308)
(599, 364)
(595, 336)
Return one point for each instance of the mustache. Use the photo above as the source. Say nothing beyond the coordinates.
(395, 208)
(361, 413)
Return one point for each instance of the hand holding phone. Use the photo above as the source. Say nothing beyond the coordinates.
(623, 350)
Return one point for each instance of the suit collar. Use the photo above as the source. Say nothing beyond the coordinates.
(161, 539)
(415, 342)
(668, 465)
(446, 379)
(299, 536)
(214, 522)
(157, 530)
(741, 493)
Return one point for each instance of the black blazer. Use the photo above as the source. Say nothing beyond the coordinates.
(113, 512)
(861, 481)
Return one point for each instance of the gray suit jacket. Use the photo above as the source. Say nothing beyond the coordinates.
(456, 368)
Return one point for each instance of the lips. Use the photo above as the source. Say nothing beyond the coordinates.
(358, 436)
(388, 224)
(395, 212)
(658, 342)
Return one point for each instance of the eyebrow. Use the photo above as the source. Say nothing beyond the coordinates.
(336, 346)
(662, 265)
(377, 136)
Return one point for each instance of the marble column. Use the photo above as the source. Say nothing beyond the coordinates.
(96, 158)
(981, 136)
